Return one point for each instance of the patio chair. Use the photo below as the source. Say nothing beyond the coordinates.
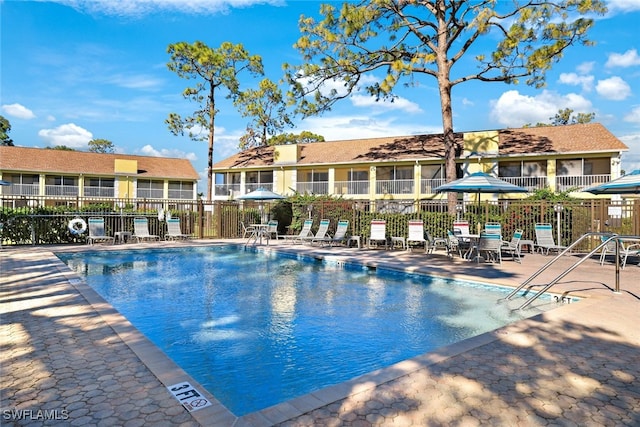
(513, 246)
(434, 243)
(493, 228)
(544, 239)
(462, 226)
(416, 234)
(247, 230)
(610, 247)
(97, 232)
(626, 249)
(339, 237)
(489, 247)
(378, 232)
(321, 233)
(272, 229)
(304, 233)
(174, 231)
(453, 244)
(141, 230)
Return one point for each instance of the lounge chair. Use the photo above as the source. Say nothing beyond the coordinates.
(489, 247)
(341, 234)
(625, 249)
(378, 232)
(416, 234)
(462, 226)
(544, 239)
(513, 246)
(321, 233)
(141, 230)
(304, 233)
(174, 231)
(97, 232)
(435, 243)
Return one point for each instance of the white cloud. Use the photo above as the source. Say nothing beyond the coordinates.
(513, 109)
(140, 81)
(631, 159)
(628, 59)
(623, 5)
(633, 116)
(585, 67)
(18, 111)
(574, 79)
(613, 88)
(137, 8)
(148, 150)
(398, 103)
(70, 135)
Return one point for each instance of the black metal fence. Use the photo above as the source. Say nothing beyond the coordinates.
(46, 221)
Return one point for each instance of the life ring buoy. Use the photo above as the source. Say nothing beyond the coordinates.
(77, 226)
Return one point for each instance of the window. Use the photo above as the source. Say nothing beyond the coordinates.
(61, 185)
(258, 179)
(150, 188)
(510, 169)
(601, 166)
(394, 172)
(316, 176)
(99, 187)
(180, 190)
(432, 172)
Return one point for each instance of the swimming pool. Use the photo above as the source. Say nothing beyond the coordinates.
(257, 329)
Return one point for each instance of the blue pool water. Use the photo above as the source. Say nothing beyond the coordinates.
(258, 329)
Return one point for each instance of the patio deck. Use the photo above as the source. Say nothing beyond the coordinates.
(65, 353)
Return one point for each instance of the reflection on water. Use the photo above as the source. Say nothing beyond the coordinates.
(259, 329)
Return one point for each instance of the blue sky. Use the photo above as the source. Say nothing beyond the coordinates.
(75, 70)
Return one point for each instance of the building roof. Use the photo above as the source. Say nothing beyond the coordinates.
(95, 164)
(579, 138)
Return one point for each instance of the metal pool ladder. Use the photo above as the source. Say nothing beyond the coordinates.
(603, 243)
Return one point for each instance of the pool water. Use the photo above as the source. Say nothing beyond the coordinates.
(257, 329)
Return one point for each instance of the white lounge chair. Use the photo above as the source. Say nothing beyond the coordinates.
(544, 239)
(339, 237)
(97, 232)
(493, 228)
(141, 230)
(247, 230)
(174, 231)
(378, 232)
(305, 232)
(321, 233)
(272, 229)
(416, 234)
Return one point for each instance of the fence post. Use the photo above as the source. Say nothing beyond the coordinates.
(200, 219)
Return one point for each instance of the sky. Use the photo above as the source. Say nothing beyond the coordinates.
(76, 70)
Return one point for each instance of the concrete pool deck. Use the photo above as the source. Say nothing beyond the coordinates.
(67, 355)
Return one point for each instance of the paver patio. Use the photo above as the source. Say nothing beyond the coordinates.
(67, 354)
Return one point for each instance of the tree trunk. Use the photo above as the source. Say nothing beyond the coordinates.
(212, 116)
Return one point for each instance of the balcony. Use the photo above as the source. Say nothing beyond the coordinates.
(351, 187)
(61, 190)
(427, 186)
(150, 193)
(531, 183)
(227, 190)
(99, 191)
(316, 187)
(394, 186)
(579, 182)
(249, 187)
(21, 190)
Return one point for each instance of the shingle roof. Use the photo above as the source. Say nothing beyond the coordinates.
(536, 140)
(98, 164)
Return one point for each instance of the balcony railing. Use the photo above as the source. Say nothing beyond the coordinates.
(147, 193)
(232, 190)
(181, 194)
(569, 182)
(313, 187)
(21, 190)
(531, 183)
(61, 190)
(427, 186)
(351, 187)
(394, 186)
(255, 185)
(99, 191)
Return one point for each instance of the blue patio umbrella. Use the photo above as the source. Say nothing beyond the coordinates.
(261, 194)
(3, 182)
(480, 182)
(626, 184)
